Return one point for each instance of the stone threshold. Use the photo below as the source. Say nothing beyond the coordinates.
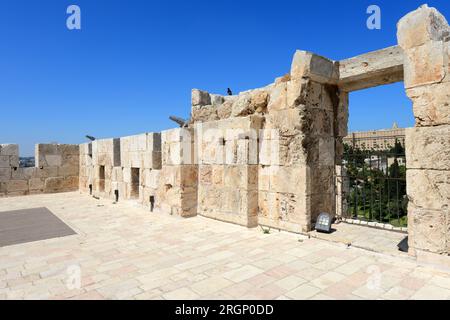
(375, 225)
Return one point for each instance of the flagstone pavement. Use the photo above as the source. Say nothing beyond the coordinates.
(122, 251)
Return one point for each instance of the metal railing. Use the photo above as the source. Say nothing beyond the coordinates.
(372, 186)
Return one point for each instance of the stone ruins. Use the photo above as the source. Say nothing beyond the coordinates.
(269, 156)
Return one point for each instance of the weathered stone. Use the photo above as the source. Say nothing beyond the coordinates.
(204, 113)
(5, 174)
(224, 110)
(36, 184)
(430, 189)
(428, 148)
(420, 26)
(258, 101)
(60, 184)
(424, 64)
(16, 185)
(242, 106)
(200, 98)
(430, 229)
(315, 67)
(9, 150)
(278, 97)
(371, 69)
(431, 104)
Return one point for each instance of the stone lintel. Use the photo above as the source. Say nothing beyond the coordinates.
(372, 69)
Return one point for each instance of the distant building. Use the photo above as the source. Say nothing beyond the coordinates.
(377, 139)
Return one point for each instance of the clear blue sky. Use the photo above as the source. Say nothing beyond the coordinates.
(134, 62)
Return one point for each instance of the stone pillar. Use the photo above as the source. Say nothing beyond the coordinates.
(424, 37)
(317, 113)
(178, 179)
(227, 152)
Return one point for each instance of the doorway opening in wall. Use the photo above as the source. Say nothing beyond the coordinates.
(372, 178)
(101, 178)
(134, 194)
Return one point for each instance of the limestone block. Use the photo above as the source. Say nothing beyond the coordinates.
(278, 99)
(14, 161)
(66, 171)
(322, 179)
(46, 172)
(342, 114)
(307, 64)
(264, 174)
(154, 179)
(224, 110)
(5, 174)
(117, 174)
(49, 160)
(60, 184)
(428, 147)
(127, 175)
(424, 64)
(9, 150)
(242, 106)
(188, 177)
(142, 142)
(152, 160)
(4, 162)
(17, 185)
(317, 121)
(84, 149)
(175, 135)
(205, 174)
(289, 122)
(259, 100)
(36, 184)
(24, 173)
(200, 98)
(431, 104)
(295, 91)
(429, 229)
(135, 160)
(428, 189)
(420, 26)
(154, 141)
(289, 179)
(204, 113)
(217, 99)
(69, 149)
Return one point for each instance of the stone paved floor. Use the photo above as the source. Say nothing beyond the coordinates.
(126, 252)
(378, 240)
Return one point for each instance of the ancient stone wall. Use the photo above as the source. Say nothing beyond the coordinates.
(56, 170)
(227, 152)
(178, 179)
(271, 156)
(124, 168)
(302, 118)
(424, 36)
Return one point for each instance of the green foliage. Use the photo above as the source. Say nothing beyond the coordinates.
(377, 190)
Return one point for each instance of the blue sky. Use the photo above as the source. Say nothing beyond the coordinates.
(135, 62)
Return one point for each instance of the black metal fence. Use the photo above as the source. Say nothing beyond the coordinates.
(373, 185)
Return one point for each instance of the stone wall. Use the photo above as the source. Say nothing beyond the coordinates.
(228, 169)
(424, 36)
(302, 119)
(270, 155)
(56, 170)
(125, 168)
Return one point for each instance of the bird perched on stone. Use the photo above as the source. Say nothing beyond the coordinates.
(230, 93)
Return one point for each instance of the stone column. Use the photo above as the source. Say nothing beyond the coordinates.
(424, 37)
(305, 115)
